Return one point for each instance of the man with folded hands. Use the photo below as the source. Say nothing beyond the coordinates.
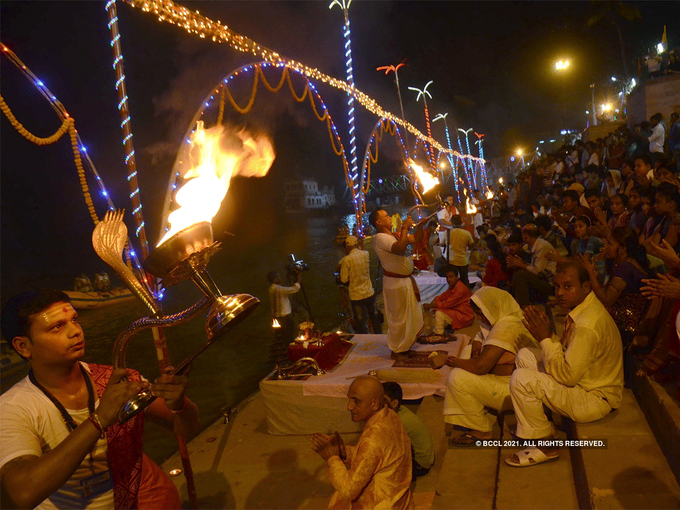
(376, 473)
(579, 375)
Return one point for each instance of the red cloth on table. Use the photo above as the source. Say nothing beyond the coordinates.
(327, 356)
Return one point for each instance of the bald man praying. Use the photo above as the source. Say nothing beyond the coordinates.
(376, 473)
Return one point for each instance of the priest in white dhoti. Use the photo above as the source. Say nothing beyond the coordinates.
(400, 291)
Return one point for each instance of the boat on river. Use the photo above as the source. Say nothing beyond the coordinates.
(98, 299)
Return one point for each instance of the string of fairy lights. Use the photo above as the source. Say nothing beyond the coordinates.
(480, 139)
(80, 151)
(454, 167)
(354, 173)
(195, 23)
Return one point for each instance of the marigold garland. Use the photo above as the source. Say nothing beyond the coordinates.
(285, 78)
(67, 125)
(30, 136)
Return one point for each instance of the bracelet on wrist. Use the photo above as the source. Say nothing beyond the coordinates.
(181, 410)
(94, 419)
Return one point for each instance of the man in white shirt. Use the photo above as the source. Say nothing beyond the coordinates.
(355, 270)
(400, 292)
(579, 375)
(61, 445)
(444, 219)
(656, 141)
(282, 312)
(538, 273)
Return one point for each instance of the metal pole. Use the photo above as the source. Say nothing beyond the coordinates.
(592, 95)
(125, 125)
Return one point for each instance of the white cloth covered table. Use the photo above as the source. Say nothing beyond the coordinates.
(320, 404)
(371, 353)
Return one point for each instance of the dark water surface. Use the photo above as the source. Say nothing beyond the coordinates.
(230, 369)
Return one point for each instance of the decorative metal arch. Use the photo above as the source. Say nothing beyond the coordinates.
(381, 127)
(221, 92)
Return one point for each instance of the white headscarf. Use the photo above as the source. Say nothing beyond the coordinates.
(616, 176)
(505, 317)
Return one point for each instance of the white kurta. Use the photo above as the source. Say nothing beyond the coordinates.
(477, 218)
(402, 310)
(584, 382)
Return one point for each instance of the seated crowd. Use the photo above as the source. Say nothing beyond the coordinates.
(575, 234)
(618, 218)
(593, 232)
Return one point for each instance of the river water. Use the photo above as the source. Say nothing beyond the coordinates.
(230, 369)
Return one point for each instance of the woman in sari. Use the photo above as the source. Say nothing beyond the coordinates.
(627, 266)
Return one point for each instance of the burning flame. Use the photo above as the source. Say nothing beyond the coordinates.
(213, 167)
(427, 180)
(275, 324)
(469, 208)
(489, 193)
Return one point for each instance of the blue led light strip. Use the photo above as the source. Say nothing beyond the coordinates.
(357, 180)
(454, 170)
(126, 126)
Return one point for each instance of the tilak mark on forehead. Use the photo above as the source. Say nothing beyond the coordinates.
(55, 312)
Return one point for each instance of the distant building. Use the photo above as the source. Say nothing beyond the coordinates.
(305, 194)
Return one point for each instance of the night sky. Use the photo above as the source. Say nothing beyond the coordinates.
(491, 63)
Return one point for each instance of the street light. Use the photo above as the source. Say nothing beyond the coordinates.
(561, 67)
(521, 155)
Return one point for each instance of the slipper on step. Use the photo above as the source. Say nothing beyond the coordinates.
(465, 439)
(530, 457)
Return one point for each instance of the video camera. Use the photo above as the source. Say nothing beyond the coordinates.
(296, 265)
